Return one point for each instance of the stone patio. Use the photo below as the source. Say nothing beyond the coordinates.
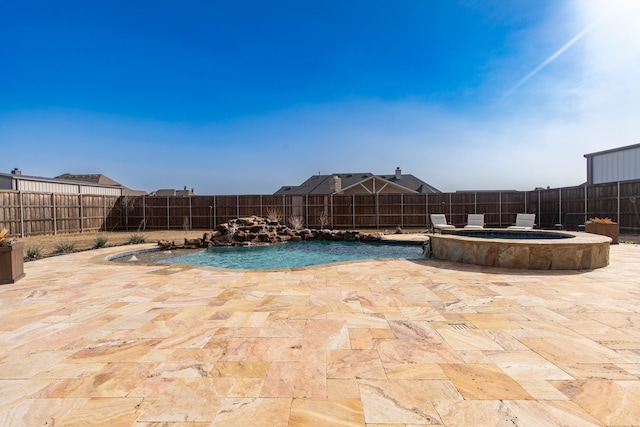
(375, 343)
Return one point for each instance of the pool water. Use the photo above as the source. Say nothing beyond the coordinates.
(292, 254)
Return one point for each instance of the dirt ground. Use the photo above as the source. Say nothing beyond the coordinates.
(50, 245)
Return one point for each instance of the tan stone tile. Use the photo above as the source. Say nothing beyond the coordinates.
(295, 379)
(28, 365)
(381, 333)
(417, 351)
(334, 412)
(414, 371)
(240, 369)
(361, 339)
(32, 412)
(468, 339)
(439, 390)
(264, 412)
(605, 371)
(265, 349)
(484, 382)
(527, 366)
(338, 388)
(180, 399)
(113, 380)
(396, 401)
(114, 351)
(619, 408)
(103, 410)
(491, 321)
(542, 390)
(246, 387)
(354, 364)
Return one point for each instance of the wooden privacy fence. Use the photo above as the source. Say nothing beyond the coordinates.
(36, 213)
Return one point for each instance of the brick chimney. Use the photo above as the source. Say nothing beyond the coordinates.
(335, 184)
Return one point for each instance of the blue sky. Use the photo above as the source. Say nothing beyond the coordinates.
(244, 97)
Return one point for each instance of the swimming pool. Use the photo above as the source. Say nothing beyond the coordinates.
(282, 255)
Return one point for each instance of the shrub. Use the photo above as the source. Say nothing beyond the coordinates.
(100, 242)
(296, 222)
(33, 252)
(601, 220)
(64, 247)
(135, 239)
(274, 215)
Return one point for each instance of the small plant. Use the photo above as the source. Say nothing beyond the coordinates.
(274, 215)
(296, 222)
(135, 239)
(601, 220)
(64, 247)
(33, 253)
(100, 242)
(324, 220)
(2, 234)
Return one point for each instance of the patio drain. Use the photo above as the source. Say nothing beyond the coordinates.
(459, 326)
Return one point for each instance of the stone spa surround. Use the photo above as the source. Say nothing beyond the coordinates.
(583, 251)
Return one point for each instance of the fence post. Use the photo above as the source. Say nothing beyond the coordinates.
(618, 212)
(144, 211)
(21, 214)
(331, 200)
(539, 208)
(401, 210)
(450, 211)
(168, 218)
(500, 207)
(586, 210)
(306, 208)
(377, 210)
(559, 206)
(214, 211)
(426, 207)
(81, 213)
(475, 202)
(238, 206)
(190, 215)
(55, 220)
(353, 211)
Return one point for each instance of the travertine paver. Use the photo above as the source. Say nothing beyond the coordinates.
(375, 343)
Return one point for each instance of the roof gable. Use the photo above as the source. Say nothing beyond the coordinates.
(376, 184)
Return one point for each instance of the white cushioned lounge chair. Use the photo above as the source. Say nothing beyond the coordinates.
(439, 222)
(524, 222)
(475, 221)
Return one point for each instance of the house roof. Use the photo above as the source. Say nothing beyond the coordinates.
(95, 178)
(321, 184)
(100, 179)
(612, 150)
(57, 179)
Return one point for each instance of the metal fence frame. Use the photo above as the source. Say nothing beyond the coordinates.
(49, 213)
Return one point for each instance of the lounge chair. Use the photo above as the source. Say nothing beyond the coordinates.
(524, 222)
(439, 222)
(475, 221)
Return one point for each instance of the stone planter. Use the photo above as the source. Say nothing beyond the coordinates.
(609, 230)
(11, 263)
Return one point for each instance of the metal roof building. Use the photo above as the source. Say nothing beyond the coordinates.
(18, 182)
(617, 164)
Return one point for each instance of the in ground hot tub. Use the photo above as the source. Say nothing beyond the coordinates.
(536, 249)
